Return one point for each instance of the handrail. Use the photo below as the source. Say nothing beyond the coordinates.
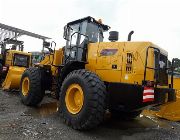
(146, 60)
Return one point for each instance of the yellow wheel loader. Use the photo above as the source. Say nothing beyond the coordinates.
(13, 63)
(91, 76)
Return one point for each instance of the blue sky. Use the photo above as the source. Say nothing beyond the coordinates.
(152, 20)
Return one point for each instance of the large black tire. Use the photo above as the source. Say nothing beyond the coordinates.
(36, 92)
(94, 105)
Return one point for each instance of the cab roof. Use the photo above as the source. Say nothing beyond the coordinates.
(19, 52)
(89, 19)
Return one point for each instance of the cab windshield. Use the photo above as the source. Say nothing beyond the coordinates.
(21, 60)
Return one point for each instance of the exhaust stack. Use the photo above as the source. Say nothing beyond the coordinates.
(129, 35)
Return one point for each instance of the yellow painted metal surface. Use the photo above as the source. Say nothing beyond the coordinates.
(138, 51)
(109, 75)
(53, 60)
(74, 98)
(13, 78)
(129, 60)
(171, 111)
(177, 83)
(25, 86)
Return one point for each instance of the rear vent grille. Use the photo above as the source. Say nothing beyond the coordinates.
(129, 63)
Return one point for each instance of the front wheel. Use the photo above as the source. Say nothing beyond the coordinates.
(31, 91)
(82, 100)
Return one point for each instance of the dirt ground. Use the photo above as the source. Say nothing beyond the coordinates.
(18, 122)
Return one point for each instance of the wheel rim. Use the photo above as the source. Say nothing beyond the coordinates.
(74, 98)
(25, 86)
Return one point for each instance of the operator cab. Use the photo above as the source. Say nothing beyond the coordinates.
(11, 45)
(78, 34)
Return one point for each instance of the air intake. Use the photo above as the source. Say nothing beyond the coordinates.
(113, 36)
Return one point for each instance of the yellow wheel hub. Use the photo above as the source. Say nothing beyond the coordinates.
(74, 98)
(25, 86)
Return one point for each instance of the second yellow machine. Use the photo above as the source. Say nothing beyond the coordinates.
(91, 76)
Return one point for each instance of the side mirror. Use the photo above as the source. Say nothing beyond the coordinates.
(65, 35)
(46, 44)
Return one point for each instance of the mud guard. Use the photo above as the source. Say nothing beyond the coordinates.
(13, 77)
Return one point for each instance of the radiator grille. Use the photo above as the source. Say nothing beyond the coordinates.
(129, 63)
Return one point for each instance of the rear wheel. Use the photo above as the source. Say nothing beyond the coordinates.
(82, 100)
(31, 91)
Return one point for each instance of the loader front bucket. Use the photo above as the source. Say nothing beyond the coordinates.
(171, 111)
(13, 77)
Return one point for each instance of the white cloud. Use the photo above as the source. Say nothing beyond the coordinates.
(152, 20)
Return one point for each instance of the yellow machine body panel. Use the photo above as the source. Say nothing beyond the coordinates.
(121, 61)
(12, 80)
(10, 56)
(171, 111)
(102, 65)
(177, 83)
(53, 60)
